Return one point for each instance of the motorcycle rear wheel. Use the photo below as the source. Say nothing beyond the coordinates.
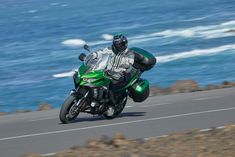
(68, 112)
(117, 110)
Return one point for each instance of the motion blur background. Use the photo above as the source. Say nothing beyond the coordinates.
(192, 39)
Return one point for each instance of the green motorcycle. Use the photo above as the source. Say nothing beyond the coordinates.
(92, 93)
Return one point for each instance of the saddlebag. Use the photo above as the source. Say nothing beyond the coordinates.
(139, 91)
(143, 60)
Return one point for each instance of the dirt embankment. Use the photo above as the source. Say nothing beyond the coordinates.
(41, 107)
(184, 86)
(214, 142)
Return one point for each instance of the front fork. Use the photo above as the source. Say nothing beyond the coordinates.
(82, 99)
(79, 106)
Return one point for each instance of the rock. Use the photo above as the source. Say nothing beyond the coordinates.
(229, 128)
(135, 155)
(105, 140)
(92, 144)
(67, 154)
(226, 84)
(201, 136)
(120, 141)
(165, 91)
(22, 111)
(152, 141)
(2, 113)
(96, 145)
(44, 106)
(184, 86)
(140, 141)
(76, 147)
(118, 136)
(155, 90)
(211, 87)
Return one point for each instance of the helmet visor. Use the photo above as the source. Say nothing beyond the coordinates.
(119, 44)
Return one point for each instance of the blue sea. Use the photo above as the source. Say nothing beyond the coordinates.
(40, 41)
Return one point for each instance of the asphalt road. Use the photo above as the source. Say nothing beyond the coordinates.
(41, 132)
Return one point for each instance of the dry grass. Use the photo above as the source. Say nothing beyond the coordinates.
(192, 143)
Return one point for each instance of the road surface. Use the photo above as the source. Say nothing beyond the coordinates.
(41, 132)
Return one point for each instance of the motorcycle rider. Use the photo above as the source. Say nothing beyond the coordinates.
(121, 63)
(98, 96)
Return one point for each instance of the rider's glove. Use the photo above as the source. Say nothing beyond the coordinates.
(114, 75)
(90, 57)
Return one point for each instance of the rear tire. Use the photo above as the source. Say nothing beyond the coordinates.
(66, 115)
(117, 110)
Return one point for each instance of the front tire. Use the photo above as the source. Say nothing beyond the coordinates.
(67, 114)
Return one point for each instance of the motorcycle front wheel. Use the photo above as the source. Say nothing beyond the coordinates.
(69, 110)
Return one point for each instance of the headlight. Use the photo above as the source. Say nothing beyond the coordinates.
(89, 80)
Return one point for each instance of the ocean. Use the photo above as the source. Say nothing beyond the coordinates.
(39, 43)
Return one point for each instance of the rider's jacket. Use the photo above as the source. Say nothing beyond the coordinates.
(120, 63)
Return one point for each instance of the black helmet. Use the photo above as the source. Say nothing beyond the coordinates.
(119, 43)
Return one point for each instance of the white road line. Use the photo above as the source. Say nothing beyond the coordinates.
(155, 105)
(115, 124)
(129, 106)
(207, 129)
(208, 98)
(147, 138)
(220, 127)
(48, 154)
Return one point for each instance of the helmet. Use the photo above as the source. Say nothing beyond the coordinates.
(119, 43)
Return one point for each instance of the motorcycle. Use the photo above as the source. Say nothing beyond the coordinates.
(92, 93)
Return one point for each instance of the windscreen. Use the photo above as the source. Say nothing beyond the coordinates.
(98, 63)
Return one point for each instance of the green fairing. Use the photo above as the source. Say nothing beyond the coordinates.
(82, 69)
(77, 79)
(95, 78)
(142, 86)
(94, 74)
(143, 52)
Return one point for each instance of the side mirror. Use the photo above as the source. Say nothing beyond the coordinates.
(82, 57)
(86, 47)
